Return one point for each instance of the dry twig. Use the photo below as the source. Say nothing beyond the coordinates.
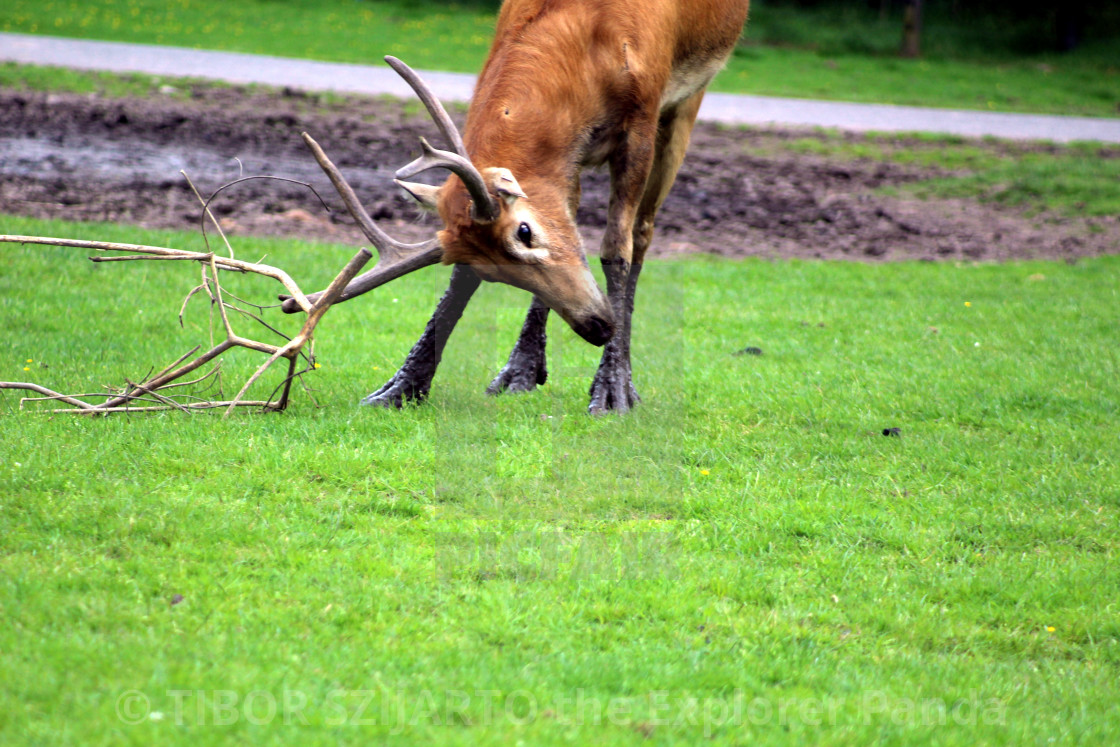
(154, 389)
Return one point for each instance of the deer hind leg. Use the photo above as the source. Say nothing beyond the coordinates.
(526, 369)
(613, 387)
(414, 379)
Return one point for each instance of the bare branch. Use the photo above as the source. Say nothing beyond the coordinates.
(207, 214)
(187, 300)
(49, 394)
(328, 297)
(179, 360)
(224, 187)
(225, 263)
(190, 406)
(396, 260)
(192, 382)
(166, 400)
(218, 294)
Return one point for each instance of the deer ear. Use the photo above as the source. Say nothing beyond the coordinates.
(502, 183)
(425, 194)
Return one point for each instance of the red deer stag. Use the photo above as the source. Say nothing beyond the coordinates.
(568, 84)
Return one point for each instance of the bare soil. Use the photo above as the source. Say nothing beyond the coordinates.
(739, 193)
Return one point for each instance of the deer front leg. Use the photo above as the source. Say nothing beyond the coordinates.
(414, 379)
(526, 368)
(612, 389)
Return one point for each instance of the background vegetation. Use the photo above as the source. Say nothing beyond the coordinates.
(995, 60)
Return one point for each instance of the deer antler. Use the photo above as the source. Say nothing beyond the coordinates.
(431, 103)
(486, 208)
(394, 257)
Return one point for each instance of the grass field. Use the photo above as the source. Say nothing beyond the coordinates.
(745, 557)
(1076, 179)
(826, 54)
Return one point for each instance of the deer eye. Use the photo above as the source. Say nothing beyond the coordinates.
(525, 235)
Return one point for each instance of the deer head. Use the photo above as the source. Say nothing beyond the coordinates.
(525, 237)
(493, 225)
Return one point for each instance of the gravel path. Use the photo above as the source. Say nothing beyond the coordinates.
(379, 79)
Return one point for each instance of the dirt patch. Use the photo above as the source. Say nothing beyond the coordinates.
(739, 192)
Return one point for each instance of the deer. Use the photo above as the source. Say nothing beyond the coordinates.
(567, 85)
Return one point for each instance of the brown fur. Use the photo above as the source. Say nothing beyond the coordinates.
(576, 83)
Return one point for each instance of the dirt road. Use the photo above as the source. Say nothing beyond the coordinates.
(740, 192)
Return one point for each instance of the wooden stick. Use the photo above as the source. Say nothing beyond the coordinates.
(160, 251)
(400, 258)
(159, 408)
(43, 390)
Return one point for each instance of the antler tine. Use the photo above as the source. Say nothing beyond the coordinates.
(395, 258)
(428, 253)
(486, 208)
(434, 107)
(459, 163)
(388, 248)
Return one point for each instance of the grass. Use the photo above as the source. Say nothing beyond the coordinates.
(838, 55)
(744, 557)
(109, 85)
(1076, 179)
(1011, 85)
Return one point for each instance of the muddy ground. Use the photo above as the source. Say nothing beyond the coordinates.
(739, 193)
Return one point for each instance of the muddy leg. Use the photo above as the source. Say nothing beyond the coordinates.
(414, 379)
(613, 387)
(526, 369)
(630, 165)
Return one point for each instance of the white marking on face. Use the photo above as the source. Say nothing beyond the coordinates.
(532, 256)
(538, 249)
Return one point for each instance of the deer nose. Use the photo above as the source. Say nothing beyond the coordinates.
(595, 329)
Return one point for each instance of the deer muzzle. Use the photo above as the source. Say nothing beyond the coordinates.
(589, 313)
(595, 329)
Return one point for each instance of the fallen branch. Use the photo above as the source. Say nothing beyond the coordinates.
(289, 350)
(396, 260)
(143, 252)
(157, 408)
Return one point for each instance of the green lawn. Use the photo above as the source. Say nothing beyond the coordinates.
(744, 557)
(844, 56)
(1078, 179)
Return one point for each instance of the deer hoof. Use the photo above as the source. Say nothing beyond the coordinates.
(613, 392)
(395, 394)
(520, 376)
